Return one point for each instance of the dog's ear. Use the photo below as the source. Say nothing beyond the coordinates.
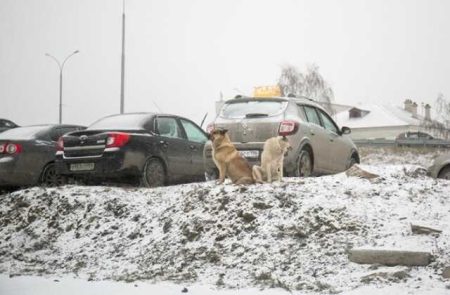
(223, 131)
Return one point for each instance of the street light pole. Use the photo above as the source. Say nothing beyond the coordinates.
(61, 67)
(122, 74)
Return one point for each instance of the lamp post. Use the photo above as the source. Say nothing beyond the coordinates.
(61, 67)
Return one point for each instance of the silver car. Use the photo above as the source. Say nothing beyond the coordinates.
(440, 167)
(318, 145)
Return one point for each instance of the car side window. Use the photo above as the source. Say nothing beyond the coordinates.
(168, 127)
(193, 133)
(328, 123)
(301, 112)
(311, 115)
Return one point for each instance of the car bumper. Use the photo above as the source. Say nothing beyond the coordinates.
(289, 159)
(433, 171)
(11, 175)
(110, 164)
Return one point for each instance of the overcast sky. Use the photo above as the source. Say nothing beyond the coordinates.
(181, 54)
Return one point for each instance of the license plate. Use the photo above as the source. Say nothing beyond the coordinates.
(82, 166)
(250, 154)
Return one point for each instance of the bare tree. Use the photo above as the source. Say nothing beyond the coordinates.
(443, 114)
(310, 84)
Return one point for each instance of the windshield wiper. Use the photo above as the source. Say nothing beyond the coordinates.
(256, 115)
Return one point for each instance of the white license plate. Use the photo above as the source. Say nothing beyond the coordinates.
(250, 154)
(82, 166)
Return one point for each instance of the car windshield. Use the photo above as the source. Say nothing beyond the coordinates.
(23, 133)
(253, 108)
(121, 122)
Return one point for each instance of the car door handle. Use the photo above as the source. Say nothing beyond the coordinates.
(193, 147)
(164, 143)
(311, 132)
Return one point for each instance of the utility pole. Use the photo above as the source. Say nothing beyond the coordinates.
(122, 78)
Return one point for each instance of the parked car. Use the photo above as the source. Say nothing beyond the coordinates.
(6, 124)
(318, 145)
(154, 149)
(27, 155)
(418, 138)
(440, 167)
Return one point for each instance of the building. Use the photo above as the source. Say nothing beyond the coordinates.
(373, 121)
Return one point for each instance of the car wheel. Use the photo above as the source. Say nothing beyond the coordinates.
(352, 162)
(154, 174)
(445, 173)
(50, 177)
(211, 175)
(304, 168)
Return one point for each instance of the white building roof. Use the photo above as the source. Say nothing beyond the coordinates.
(377, 116)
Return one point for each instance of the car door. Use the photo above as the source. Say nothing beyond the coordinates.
(319, 139)
(339, 150)
(173, 144)
(196, 140)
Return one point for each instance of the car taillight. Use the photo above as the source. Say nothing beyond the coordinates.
(10, 148)
(209, 128)
(117, 139)
(60, 144)
(287, 127)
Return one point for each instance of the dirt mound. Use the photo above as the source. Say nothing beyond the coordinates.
(293, 235)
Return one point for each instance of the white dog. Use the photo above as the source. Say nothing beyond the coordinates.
(272, 158)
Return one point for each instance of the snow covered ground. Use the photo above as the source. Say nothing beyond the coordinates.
(225, 239)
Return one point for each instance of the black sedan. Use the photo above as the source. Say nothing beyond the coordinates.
(147, 148)
(27, 155)
(6, 124)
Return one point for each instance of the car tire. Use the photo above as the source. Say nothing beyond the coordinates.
(304, 164)
(352, 162)
(49, 176)
(154, 173)
(212, 174)
(445, 173)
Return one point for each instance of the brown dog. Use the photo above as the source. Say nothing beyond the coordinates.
(228, 160)
(272, 159)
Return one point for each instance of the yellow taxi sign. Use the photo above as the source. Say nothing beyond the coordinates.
(267, 91)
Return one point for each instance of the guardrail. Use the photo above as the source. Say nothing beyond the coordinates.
(438, 143)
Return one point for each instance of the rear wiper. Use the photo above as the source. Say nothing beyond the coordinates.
(256, 115)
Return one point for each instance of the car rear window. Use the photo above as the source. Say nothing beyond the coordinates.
(23, 133)
(253, 108)
(121, 122)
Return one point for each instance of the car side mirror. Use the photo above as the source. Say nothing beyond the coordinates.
(346, 130)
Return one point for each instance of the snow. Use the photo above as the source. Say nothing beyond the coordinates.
(222, 239)
(378, 116)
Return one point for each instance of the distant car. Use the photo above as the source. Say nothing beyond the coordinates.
(6, 124)
(440, 167)
(27, 155)
(413, 135)
(418, 138)
(319, 146)
(146, 148)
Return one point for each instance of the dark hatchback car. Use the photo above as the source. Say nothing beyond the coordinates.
(145, 148)
(6, 124)
(27, 155)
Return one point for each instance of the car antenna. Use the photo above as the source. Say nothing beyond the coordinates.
(203, 121)
(157, 106)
